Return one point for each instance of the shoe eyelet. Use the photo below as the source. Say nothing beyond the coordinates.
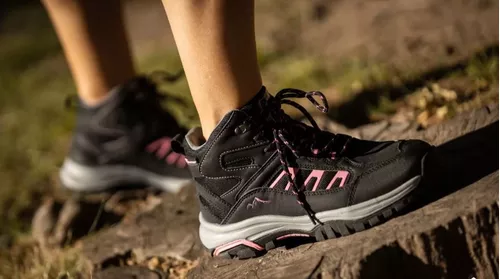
(243, 128)
(268, 148)
(314, 150)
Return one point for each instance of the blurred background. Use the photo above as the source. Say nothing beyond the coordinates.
(422, 61)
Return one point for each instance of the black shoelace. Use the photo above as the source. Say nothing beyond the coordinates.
(145, 89)
(141, 95)
(295, 138)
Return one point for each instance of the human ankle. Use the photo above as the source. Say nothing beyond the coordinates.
(210, 122)
(207, 127)
(94, 100)
(97, 99)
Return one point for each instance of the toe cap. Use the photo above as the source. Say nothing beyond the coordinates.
(382, 176)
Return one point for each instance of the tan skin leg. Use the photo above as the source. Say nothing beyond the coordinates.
(93, 37)
(216, 42)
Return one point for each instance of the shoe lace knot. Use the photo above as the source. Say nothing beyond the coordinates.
(293, 138)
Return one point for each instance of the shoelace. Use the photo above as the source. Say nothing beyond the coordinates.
(283, 122)
(146, 96)
(146, 87)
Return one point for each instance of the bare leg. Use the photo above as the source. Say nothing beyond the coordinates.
(216, 42)
(94, 41)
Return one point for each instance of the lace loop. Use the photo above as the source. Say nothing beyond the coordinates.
(310, 96)
(164, 76)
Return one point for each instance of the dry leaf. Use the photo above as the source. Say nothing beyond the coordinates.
(441, 112)
(153, 263)
(423, 118)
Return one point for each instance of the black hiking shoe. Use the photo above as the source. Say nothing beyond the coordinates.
(263, 177)
(126, 140)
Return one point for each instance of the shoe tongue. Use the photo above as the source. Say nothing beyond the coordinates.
(258, 104)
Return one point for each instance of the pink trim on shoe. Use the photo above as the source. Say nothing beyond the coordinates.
(318, 174)
(160, 147)
(181, 162)
(172, 158)
(339, 175)
(235, 243)
(292, 235)
(292, 171)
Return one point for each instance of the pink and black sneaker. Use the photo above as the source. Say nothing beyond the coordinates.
(263, 178)
(125, 140)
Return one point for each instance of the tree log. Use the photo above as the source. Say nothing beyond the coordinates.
(451, 231)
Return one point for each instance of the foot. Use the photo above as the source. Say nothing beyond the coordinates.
(263, 177)
(123, 141)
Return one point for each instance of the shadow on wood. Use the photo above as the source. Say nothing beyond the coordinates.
(392, 262)
(460, 162)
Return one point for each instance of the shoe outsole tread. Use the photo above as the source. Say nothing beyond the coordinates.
(328, 230)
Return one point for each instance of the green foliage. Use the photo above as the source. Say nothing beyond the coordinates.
(28, 261)
(32, 120)
(483, 67)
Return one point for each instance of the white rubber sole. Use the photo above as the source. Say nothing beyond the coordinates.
(81, 178)
(213, 235)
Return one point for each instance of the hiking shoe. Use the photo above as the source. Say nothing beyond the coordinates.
(263, 177)
(125, 140)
